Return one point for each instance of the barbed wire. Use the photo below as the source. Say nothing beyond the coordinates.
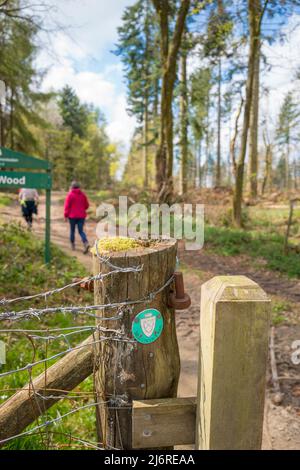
(55, 356)
(47, 334)
(84, 309)
(59, 418)
(46, 294)
(78, 330)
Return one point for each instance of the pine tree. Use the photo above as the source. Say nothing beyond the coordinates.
(74, 114)
(287, 134)
(215, 47)
(137, 47)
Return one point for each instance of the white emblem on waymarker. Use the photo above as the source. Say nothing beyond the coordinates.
(148, 324)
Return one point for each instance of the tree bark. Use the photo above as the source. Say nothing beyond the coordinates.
(184, 124)
(253, 143)
(2, 141)
(146, 98)
(146, 148)
(169, 53)
(218, 169)
(255, 18)
(12, 141)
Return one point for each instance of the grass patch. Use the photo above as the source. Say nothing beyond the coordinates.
(5, 199)
(267, 246)
(23, 272)
(278, 311)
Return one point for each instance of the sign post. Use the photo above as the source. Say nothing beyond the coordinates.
(9, 160)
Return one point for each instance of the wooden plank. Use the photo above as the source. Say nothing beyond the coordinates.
(234, 329)
(163, 422)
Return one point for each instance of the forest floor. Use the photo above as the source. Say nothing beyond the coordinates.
(282, 423)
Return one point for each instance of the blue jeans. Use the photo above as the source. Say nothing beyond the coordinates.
(80, 224)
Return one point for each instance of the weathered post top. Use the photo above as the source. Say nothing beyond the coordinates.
(234, 329)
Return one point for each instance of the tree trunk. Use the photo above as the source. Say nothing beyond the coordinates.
(12, 141)
(169, 53)
(207, 143)
(146, 148)
(218, 169)
(253, 143)
(199, 165)
(287, 165)
(134, 371)
(267, 182)
(184, 124)
(255, 17)
(2, 140)
(146, 97)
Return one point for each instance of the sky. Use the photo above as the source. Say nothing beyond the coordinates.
(82, 58)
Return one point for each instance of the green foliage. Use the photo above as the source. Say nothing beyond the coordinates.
(23, 273)
(257, 245)
(22, 262)
(78, 149)
(73, 113)
(18, 50)
(5, 200)
(278, 310)
(138, 48)
(200, 90)
(219, 29)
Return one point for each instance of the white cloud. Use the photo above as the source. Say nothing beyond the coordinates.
(284, 59)
(75, 59)
(92, 87)
(93, 23)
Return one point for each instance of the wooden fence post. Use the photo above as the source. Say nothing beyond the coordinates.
(139, 371)
(234, 328)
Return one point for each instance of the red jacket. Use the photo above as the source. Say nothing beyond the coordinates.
(76, 204)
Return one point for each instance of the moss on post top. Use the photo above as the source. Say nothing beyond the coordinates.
(234, 288)
(115, 246)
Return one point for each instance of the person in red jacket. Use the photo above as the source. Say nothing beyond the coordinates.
(76, 204)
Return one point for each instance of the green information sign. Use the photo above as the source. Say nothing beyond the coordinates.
(147, 326)
(10, 159)
(17, 179)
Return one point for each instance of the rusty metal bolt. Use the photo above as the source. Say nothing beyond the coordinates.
(179, 300)
(86, 284)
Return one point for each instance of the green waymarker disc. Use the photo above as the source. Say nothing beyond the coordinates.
(147, 326)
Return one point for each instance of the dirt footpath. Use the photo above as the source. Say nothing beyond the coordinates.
(282, 423)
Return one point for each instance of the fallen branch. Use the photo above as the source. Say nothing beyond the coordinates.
(278, 396)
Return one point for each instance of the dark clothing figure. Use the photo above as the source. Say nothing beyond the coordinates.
(29, 199)
(28, 209)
